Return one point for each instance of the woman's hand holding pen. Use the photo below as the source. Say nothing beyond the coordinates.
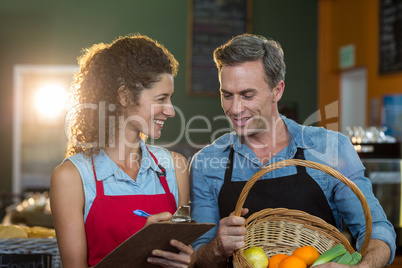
(160, 217)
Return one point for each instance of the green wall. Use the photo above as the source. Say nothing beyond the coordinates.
(54, 32)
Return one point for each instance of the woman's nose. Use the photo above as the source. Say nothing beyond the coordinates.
(168, 110)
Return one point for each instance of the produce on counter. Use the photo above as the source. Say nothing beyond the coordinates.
(12, 231)
(39, 232)
(16, 231)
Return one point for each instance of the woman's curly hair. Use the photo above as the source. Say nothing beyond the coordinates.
(135, 62)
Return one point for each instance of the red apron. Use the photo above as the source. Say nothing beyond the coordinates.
(111, 220)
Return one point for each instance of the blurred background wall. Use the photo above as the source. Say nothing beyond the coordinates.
(45, 32)
(342, 23)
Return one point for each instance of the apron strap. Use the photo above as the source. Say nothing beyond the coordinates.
(229, 166)
(99, 184)
(161, 175)
(300, 155)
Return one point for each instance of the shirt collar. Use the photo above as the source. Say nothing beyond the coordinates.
(148, 161)
(106, 167)
(103, 167)
(300, 137)
(299, 134)
(244, 150)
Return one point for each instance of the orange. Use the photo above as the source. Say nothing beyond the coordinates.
(292, 262)
(308, 254)
(275, 260)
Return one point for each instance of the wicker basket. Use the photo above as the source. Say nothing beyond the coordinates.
(32, 246)
(283, 230)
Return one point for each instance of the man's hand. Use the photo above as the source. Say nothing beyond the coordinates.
(230, 237)
(377, 256)
(231, 234)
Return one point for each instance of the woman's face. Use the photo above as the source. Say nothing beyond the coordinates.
(154, 107)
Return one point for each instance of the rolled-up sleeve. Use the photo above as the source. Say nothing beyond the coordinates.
(350, 207)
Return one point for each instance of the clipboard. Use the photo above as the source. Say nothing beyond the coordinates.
(137, 248)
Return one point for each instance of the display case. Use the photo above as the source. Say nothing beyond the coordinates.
(383, 167)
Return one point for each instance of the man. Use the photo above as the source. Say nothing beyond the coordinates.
(252, 72)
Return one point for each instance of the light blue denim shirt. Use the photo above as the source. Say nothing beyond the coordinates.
(320, 145)
(116, 182)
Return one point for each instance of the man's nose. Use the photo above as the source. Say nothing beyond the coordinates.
(237, 106)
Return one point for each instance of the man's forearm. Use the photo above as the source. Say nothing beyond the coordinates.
(377, 255)
(209, 256)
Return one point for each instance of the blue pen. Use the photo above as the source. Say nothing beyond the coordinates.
(141, 213)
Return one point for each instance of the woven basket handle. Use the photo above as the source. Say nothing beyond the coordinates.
(324, 168)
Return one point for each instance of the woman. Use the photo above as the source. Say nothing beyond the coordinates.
(122, 92)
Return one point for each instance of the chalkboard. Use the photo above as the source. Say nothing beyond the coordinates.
(390, 36)
(26, 260)
(211, 24)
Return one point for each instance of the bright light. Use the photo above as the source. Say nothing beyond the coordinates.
(50, 101)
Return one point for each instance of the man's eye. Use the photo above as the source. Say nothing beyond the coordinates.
(226, 96)
(248, 96)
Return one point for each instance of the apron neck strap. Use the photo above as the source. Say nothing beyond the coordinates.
(300, 155)
(99, 184)
(161, 175)
(229, 166)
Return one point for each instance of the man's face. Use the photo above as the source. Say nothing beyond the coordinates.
(246, 98)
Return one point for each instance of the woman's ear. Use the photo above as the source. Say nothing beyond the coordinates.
(123, 95)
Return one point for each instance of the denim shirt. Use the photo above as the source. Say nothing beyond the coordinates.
(117, 182)
(327, 147)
